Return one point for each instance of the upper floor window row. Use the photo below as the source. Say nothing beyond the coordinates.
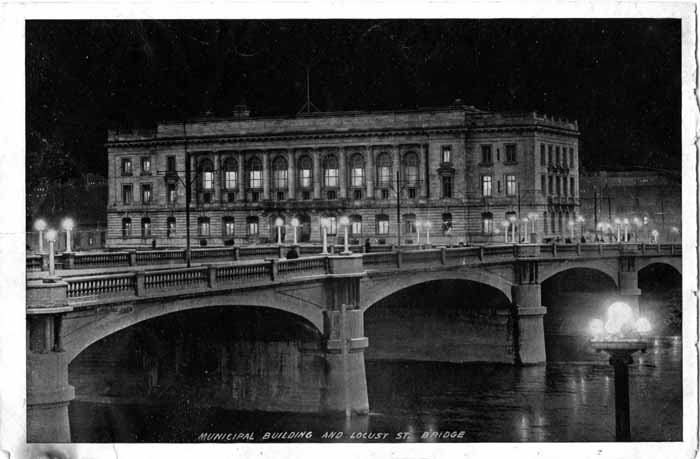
(557, 155)
(127, 166)
(511, 155)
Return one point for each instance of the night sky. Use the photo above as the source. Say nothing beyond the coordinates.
(619, 78)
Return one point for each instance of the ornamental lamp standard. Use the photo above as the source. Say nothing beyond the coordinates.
(571, 224)
(532, 216)
(626, 222)
(512, 220)
(617, 225)
(526, 225)
(428, 225)
(279, 222)
(324, 234)
(345, 222)
(654, 236)
(40, 226)
(637, 226)
(505, 224)
(580, 220)
(68, 225)
(675, 231)
(599, 231)
(295, 225)
(418, 225)
(51, 236)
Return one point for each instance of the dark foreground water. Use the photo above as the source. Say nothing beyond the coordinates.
(562, 401)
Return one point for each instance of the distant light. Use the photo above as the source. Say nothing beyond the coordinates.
(643, 325)
(40, 225)
(580, 219)
(511, 218)
(532, 215)
(619, 316)
(505, 223)
(674, 229)
(279, 221)
(570, 223)
(626, 221)
(325, 222)
(654, 233)
(344, 220)
(68, 224)
(51, 235)
(596, 327)
(428, 225)
(525, 220)
(295, 222)
(617, 221)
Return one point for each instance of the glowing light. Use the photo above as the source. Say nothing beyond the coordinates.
(40, 225)
(505, 223)
(428, 225)
(596, 327)
(617, 221)
(654, 233)
(51, 235)
(279, 221)
(68, 224)
(580, 219)
(532, 216)
(295, 222)
(626, 221)
(325, 222)
(344, 220)
(643, 325)
(511, 218)
(620, 313)
(570, 223)
(612, 328)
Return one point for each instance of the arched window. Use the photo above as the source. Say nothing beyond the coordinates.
(384, 170)
(410, 223)
(446, 223)
(203, 226)
(411, 168)
(511, 219)
(330, 171)
(227, 226)
(305, 172)
(126, 227)
(487, 223)
(206, 174)
(357, 171)
(171, 226)
(230, 174)
(382, 224)
(145, 227)
(255, 173)
(356, 225)
(252, 227)
(279, 173)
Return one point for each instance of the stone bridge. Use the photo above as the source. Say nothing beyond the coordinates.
(66, 315)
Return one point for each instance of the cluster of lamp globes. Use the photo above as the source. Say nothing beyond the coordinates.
(51, 234)
(624, 224)
(620, 324)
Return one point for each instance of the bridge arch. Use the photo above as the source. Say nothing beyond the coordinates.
(674, 262)
(609, 267)
(80, 334)
(380, 287)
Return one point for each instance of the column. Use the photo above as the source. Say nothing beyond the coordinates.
(266, 174)
(291, 173)
(241, 176)
(396, 164)
(218, 176)
(342, 173)
(422, 168)
(316, 156)
(345, 388)
(528, 327)
(369, 171)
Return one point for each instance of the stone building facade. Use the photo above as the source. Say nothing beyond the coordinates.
(462, 169)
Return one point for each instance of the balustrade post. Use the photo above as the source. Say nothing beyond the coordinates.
(140, 283)
(211, 276)
(578, 249)
(658, 247)
(644, 248)
(236, 253)
(273, 269)
(481, 253)
(132, 257)
(443, 255)
(399, 258)
(68, 260)
(600, 248)
(554, 249)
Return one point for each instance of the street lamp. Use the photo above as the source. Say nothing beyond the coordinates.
(617, 225)
(526, 225)
(599, 231)
(621, 335)
(40, 226)
(512, 220)
(532, 216)
(67, 225)
(51, 236)
(626, 222)
(580, 221)
(428, 225)
(654, 236)
(418, 225)
(278, 223)
(324, 234)
(637, 224)
(295, 225)
(345, 222)
(505, 224)
(675, 231)
(571, 224)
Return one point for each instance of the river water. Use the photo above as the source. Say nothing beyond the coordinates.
(569, 399)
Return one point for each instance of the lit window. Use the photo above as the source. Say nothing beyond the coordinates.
(355, 225)
(126, 227)
(230, 174)
(146, 166)
(409, 221)
(145, 227)
(383, 170)
(127, 194)
(511, 186)
(252, 226)
(172, 193)
(382, 224)
(206, 174)
(146, 193)
(332, 228)
(447, 153)
(411, 169)
(203, 226)
(330, 172)
(486, 185)
(279, 173)
(126, 166)
(487, 223)
(255, 174)
(357, 171)
(228, 226)
(305, 165)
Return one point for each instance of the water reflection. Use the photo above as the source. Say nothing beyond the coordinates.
(421, 401)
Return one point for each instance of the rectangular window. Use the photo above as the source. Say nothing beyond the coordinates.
(206, 198)
(305, 195)
(447, 153)
(146, 228)
(356, 227)
(231, 196)
(543, 159)
(127, 194)
(172, 193)
(332, 228)
(126, 227)
(385, 194)
(280, 179)
(411, 193)
(146, 166)
(330, 177)
(230, 180)
(558, 186)
(549, 154)
(384, 173)
(228, 227)
(170, 166)
(305, 178)
(551, 185)
(170, 228)
(571, 158)
(487, 223)
(447, 186)
(207, 180)
(252, 228)
(357, 195)
(126, 166)
(511, 185)
(204, 228)
(280, 195)
(383, 226)
(498, 186)
(486, 185)
(510, 153)
(255, 179)
(330, 195)
(255, 196)
(558, 161)
(410, 225)
(486, 154)
(564, 185)
(146, 193)
(357, 177)
(564, 157)
(543, 183)
(573, 186)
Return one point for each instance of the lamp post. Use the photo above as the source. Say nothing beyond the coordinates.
(278, 224)
(526, 225)
(626, 223)
(620, 336)
(40, 226)
(637, 225)
(654, 236)
(418, 225)
(427, 233)
(532, 216)
(345, 222)
(505, 224)
(617, 224)
(599, 231)
(67, 225)
(324, 235)
(295, 225)
(580, 221)
(51, 236)
(512, 221)
(571, 224)
(675, 232)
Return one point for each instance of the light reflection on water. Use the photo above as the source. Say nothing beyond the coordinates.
(561, 401)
